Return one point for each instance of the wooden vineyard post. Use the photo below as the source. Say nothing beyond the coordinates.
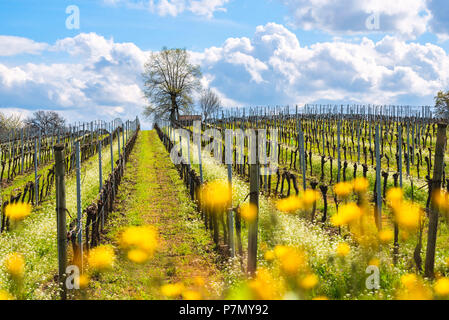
(123, 146)
(302, 154)
(254, 201)
(79, 206)
(39, 149)
(198, 142)
(100, 175)
(378, 184)
(358, 140)
(61, 217)
(111, 140)
(440, 149)
(229, 149)
(338, 148)
(396, 226)
(36, 178)
(23, 150)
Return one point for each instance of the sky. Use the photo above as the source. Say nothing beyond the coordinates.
(85, 58)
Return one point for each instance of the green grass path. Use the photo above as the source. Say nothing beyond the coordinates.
(152, 193)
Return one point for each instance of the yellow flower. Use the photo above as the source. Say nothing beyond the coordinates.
(414, 289)
(290, 204)
(101, 258)
(360, 185)
(248, 212)
(4, 295)
(84, 280)
(395, 196)
(442, 287)
(321, 298)
(199, 281)
(265, 287)
(343, 189)
(15, 265)
(144, 238)
(374, 262)
(269, 255)
(441, 199)
(309, 198)
(280, 251)
(347, 214)
(309, 282)
(191, 295)
(137, 256)
(343, 249)
(292, 261)
(385, 236)
(216, 195)
(17, 211)
(409, 280)
(172, 290)
(408, 216)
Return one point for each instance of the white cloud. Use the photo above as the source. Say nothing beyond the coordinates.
(11, 46)
(405, 18)
(273, 68)
(205, 8)
(101, 80)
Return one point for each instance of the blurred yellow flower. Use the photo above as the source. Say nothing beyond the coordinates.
(441, 199)
(346, 214)
(191, 295)
(414, 289)
(343, 249)
(309, 198)
(4, 295)
(216, 195)
(374, 262)
(343, 189)
(15, 265)
(409, 280)
(269, 255)
(309, 282)
(395, 196)
(138, 256)
(290, 204)
(385, 236)
(360, 185)
(265, 287)
(442, 287)
(248, 212)
(144, 238)
(280, 250)
(199, 281)
(292, 261)
(101, 258)
(408, 216)
(321, 298)
(172, 290)
(84, 280)
(17, 211)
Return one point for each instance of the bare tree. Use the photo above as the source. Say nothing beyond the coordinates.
(8, 123)
(210, 103)
(169, 81)
(48, 122)
(442, 105)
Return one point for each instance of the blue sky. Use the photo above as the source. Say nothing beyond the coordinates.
(266, 52)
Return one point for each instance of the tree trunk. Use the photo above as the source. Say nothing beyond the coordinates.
(433, 214)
